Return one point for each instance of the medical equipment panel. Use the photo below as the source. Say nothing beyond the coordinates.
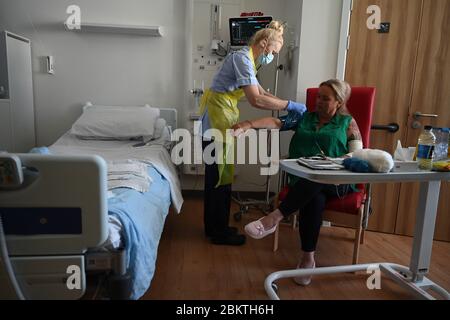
(243, 28)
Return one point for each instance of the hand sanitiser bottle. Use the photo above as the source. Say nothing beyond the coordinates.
(425, 148)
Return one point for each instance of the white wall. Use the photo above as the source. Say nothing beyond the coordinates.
(290, 55)
(123, 69)
(248, 178)
(102, 68)
(319, 43)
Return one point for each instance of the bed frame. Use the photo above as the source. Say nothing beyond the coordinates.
(51, 259)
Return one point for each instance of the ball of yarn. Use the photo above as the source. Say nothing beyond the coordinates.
(356, 165)
(379, 160)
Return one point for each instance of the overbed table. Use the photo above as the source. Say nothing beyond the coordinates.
(412, 278)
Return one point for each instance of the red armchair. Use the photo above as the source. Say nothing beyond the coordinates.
(353, 208)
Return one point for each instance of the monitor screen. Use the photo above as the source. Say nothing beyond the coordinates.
(242, 29)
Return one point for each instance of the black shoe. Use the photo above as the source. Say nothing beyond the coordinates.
(229, 231)
(229, 240)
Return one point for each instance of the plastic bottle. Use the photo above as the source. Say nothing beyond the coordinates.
(425, 148)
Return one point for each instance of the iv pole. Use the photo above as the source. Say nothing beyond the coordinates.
(245, 204)
(269, 136)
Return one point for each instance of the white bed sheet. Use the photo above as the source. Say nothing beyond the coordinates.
(155, 154)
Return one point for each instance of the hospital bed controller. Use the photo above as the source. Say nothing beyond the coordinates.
(11, 175)
(52, 254)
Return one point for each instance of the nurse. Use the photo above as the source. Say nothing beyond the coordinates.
(218, 107)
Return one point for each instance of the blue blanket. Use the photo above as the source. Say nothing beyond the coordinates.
(142, 216)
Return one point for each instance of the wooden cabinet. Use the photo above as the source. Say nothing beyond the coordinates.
(17, 127)
(410, 67)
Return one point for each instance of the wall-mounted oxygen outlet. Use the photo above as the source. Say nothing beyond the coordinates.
(50, 65)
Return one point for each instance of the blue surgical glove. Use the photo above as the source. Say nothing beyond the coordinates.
(297, 107)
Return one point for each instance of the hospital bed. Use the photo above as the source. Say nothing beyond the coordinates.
(62, 223)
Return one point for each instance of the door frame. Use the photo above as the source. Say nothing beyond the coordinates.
(344, 38)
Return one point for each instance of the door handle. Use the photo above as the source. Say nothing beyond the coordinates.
(392, 127)
(418, 115)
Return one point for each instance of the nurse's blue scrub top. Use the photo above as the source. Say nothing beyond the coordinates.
(236, 72)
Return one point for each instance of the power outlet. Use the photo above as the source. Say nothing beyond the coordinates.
(326, 224)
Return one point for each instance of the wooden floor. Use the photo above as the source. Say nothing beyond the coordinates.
(190, 268)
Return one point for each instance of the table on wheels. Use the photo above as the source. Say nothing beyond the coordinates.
(413, 277)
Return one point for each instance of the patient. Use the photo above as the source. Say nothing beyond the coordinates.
(330, 130)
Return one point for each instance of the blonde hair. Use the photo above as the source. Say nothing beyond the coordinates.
(342, 92)
(273, 32)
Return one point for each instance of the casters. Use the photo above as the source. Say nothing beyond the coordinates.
(238, 215)
(268, 208)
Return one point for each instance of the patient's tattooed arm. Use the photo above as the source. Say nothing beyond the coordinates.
(353, 132)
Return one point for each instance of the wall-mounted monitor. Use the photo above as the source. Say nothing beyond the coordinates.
(243, 28)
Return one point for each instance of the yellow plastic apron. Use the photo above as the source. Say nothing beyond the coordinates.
(223, 113)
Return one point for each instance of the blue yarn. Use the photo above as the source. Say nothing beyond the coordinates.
(40, 150)
(356, 165)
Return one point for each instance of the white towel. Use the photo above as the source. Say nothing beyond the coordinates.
(156, 156)
(128, 174)
(127, 166)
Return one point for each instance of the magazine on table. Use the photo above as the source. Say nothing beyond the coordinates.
(321, 163)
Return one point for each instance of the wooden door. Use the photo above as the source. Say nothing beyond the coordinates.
(431, 95)
(385, 61)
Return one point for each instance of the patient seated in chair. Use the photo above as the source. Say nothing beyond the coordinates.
(329, 131)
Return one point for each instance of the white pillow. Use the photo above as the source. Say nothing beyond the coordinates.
(116, 123)
(94, 107)
(160, 124)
